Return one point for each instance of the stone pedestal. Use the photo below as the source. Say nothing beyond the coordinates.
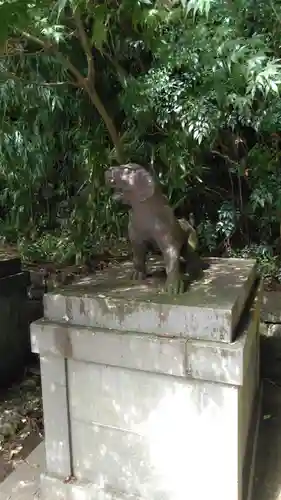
(147, 396)
(14, 329)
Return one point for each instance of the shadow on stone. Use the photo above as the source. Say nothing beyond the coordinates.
(267, 484)
(271, 336)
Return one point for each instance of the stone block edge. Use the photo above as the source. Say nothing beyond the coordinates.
(56, 487)
(163, 355)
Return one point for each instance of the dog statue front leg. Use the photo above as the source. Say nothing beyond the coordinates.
(174, 283)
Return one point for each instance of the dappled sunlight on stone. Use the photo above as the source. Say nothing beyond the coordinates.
(210, 308)
(150, 396)
(174, 453)
(167, 443)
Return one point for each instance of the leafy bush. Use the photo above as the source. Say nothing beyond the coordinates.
(190, 87)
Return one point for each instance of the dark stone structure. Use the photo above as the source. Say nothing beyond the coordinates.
(14, 329)
(271, 337)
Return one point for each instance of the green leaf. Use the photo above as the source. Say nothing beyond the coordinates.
(201, 6)
(61, 4)
(100, 29)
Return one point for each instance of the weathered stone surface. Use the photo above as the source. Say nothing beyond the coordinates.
(128, 407)
(127, 350)
(228, 363)
(210, 309)
(56, 421)
(53, 487)
(168, 427)
(143, 409)
(205, 360)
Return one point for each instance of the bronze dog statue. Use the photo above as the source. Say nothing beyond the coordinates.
(152, 220)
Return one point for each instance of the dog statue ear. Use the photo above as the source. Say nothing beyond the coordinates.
(144, 184)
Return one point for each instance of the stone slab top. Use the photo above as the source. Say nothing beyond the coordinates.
(197, 359)
(210, 308)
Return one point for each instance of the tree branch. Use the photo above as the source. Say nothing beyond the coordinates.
(45, 44)
(225, 157)
(112, 130)
(84, 83)
(85, 44)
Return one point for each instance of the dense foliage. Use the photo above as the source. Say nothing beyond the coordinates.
(190, 87)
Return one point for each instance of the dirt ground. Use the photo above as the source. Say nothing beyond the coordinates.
(21, 420)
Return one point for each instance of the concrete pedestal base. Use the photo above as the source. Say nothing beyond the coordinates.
(150, 416)
(54, 487)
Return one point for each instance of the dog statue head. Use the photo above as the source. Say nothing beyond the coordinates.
(131, 182)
